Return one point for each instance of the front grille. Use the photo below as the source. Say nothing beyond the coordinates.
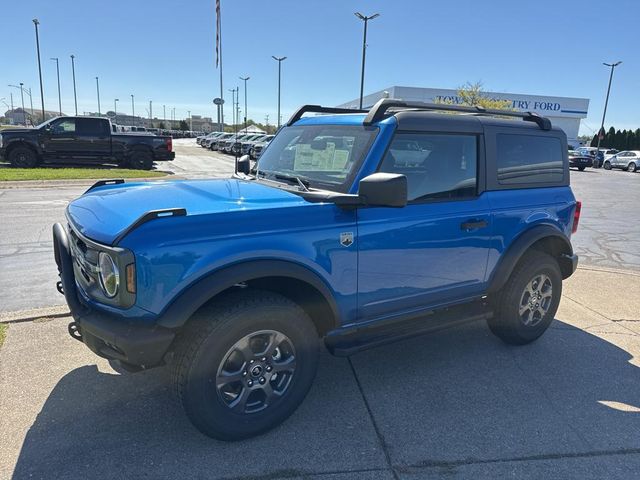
(85, 258)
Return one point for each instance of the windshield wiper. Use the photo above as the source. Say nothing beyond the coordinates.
(302, 182)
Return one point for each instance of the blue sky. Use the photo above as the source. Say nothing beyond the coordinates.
(163, 51)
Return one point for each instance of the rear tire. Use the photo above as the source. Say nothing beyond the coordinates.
(581, 169)
(527, 304)
(23, 157)
(141, 160)
(255, 332)
(632, 167)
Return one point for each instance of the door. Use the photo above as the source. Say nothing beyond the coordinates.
(435, 249)
(93, 138)
(59, 140)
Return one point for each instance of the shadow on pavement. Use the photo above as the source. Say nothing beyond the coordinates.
(451, 399)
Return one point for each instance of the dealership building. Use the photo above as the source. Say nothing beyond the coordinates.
(564, 112)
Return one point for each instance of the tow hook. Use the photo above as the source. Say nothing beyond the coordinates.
(59, 287)
(74, 331)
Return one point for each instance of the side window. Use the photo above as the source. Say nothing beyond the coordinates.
(529, 159)
(436, 166)
(64, 127)
(92, 127)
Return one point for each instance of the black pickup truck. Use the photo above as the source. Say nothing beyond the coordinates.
(82, 140)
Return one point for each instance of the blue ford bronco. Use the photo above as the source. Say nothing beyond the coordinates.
(354, 229)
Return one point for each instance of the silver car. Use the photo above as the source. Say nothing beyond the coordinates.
(628, 160)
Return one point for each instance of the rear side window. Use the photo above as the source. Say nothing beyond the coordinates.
(436, 165)
(529, 159)
(92, 127)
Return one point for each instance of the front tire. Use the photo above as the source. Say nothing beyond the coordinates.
(244, 364)
(632, 167)
(581, 169)
(607, 165)
(527, 304)
(23, 157)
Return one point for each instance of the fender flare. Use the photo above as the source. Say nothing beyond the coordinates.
(22, 142)
(518, 248)
(204, 289)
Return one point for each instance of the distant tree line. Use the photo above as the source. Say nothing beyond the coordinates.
(619, 139)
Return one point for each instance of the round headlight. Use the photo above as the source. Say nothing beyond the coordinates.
(109, 275)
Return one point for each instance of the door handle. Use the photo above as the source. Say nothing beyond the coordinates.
(473, 224)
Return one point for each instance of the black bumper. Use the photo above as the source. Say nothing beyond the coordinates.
(568, 265)
(106, 335)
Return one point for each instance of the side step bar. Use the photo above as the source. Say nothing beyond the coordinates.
(346, 341)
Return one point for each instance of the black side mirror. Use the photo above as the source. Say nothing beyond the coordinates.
(383, 190)
(244, 164)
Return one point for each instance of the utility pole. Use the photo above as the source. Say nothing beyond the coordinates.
(365, 19)
(233, 104)
(164, 115)
(98, 90)
(190, 121)
(73, 70)
(36, 23)
(24, 115)
(57, 60)
(31, 103)
(115, 110)
(151, 113)
(244, 79)
(601, 133)
(279, 60)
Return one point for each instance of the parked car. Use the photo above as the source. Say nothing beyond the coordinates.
(579, 161)
(628, 160)
(257, 149)
(231, 282)
(236, 147)
(228, 144)
(217, 142)
(598, 157)
(247, 145)
(202, 139)
(82, 140)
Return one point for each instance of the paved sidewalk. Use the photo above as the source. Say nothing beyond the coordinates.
(457, 404)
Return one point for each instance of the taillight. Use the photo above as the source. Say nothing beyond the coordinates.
(170, 144)
(576, 217)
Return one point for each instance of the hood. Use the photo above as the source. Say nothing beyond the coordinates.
(103, 213)
(18, 130)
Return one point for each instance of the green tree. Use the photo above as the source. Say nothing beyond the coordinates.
(161, 126)
(183, 125)
(472, 94)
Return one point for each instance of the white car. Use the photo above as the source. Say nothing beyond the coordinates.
(628, 160)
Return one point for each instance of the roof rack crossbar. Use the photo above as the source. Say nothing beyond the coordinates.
(320, 109)
(102, 183)
(379, 110)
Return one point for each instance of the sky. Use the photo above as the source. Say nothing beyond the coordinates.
(163, 51)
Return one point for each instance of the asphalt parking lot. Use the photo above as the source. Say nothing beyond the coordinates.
(456, 404)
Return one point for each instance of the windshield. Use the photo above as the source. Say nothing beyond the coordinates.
(46, 122)
(324, 156)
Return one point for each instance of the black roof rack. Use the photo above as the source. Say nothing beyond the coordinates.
(319, 109)
(379, 110)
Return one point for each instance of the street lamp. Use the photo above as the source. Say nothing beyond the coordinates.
(133, 111)
(244, 79)
(98, 90)
(190, 121)
(279, 60)
(36, 23)
(115, 110)
(365, 19)
(151, 113)
(73, 70)
(58, 72)
(233, 105)
(604, 114)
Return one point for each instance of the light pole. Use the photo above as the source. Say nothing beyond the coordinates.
(31, 104)
(164, 115)
(233, 104)
(151, 113)
(190, 121)
(133, 111)
(244, 79)
(279, 60)
(73, 70)
(36, 23)
(115, 110)
(58, 72)
(365, 19)
(604, 114)
(98, 90)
